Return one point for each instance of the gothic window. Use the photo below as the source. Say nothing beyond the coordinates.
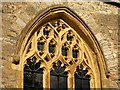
(59, 51)
(58, 54)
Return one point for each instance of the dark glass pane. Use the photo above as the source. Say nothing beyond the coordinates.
(64, 51)
(26, 68)
(86, 84)
(31, 66)
(63, 83)
(28, 78)
(28, 88)
(59, 64)
(46, 58)
(33, 60)
(59, 29)
(40, 70)
(33, 80)
(87, 76)
(75, 53)
(53, 82)
(78, 84)
(33, 75)
(40, 46)
(31, 63)
(84, 73)
(28, 61)
(58, 82)
(58, 70)
(51, 48)
(58, 77)
(32, 88)
(39, 80)
(37, 65)
(46, 32)
(82, 79)
(69, 38)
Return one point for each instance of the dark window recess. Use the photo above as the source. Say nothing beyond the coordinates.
(58, 78)
(33, 75)
(46, 58)
(51, 48)
(59, 29)
(82, 80)
(69, 38)
(46, 32)
(64, 51)
(40, 46)
(75, 53)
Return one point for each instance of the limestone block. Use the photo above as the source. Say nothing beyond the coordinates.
(20, 22)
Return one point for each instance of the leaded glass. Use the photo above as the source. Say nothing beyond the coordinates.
(46, 30)
(69, 36)
(82, 80)
(40, 46)
(64, 51)
(75, 53)
(46, 33)
(58, 77)
(50, 38)
(33, 75)
(51, 48)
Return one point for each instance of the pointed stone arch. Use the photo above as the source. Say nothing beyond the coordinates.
(90, 44)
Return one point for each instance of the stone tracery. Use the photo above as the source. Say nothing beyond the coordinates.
(55, 41)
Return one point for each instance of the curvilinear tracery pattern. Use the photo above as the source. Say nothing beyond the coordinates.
(55, 46)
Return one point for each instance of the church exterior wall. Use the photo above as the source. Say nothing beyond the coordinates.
(101, 18)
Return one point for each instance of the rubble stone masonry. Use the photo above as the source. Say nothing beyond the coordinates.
(101, 18)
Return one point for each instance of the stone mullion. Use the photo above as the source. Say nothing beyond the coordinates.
(46, 79)
(70, 53)
(71, 81)
(47, 45)
(92, 83)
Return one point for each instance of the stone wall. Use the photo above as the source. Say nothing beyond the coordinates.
(101, 18)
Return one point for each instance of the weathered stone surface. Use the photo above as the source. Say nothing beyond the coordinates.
(101, 18)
